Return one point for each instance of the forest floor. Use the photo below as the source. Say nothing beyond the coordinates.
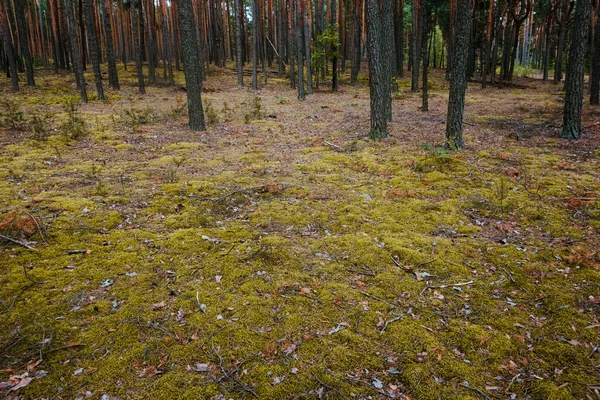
(282, 254)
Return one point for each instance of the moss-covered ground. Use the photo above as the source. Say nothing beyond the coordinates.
(284, 255)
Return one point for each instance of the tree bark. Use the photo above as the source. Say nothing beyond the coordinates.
(239, 8)
(300, 49)
(136, 48)
(255, 17)
(94, 48)
(77, 67)
(113, 76)
(357, 34)
(191, 64)
(458, 77)
(595, 73)
(335, 85)
(8, 48)
(24, 41)
(416, 48)
(575, 71)
(376, 71)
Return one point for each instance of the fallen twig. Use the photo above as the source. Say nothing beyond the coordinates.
(376, 298)
(335, 146)
(478, 391)
(17, 242)
(387, 323)
(446, 285)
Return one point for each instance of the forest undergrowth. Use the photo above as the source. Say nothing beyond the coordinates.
(282, 254)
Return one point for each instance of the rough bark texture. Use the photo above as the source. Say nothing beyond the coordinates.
(94, 49)
(113, 76)
(399, 28)
(280, 40)
(357, 33)
(389, 58)
(458, 76)
(77, 67)
(137, 48)
(239, 8)
(191, 64)
(24, 41)
(595, 73)
(575, 71)
(376, 71)
(300, 50)
(307, 31)
(425, 52)
(8, 48)
(416, 46)
(255, 14)
(335, 85)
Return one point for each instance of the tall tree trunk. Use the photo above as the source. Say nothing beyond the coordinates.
(488, 46)
(307, 32)
(93, 46)
(575, 71)
(8, 47)
(425, 52)
(24, 41)
(399, 30)
(388, 47)
(280, 34)
(458, 77)
(136, 48)
(357, 30)
(113, 76)
(595, 73)
(166, 34)
(377, 91)
(239, 9)
(255, 18)
(547, 34)
(300, 49)
(335, 85)
(416, 48)
(76, 60)
(191, 64)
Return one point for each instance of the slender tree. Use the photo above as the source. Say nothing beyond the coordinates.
(300, 49)
(595, 70)
(24, 41)
(137, 48)
(458, 76)
(191, 64)
(75, 59)
(239, 9)
(93, 47)
(357, 39)
(8, 48)
(255, 19)
(113, 76)
(575, 71)
(377, 90)
(335, 85)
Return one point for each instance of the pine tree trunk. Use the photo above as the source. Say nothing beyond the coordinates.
(8, 48)
(94, 48)
(191, 64)
(357, 31)
(416, 47)
(377, 91)
(77, 67)
(595, 73)
(300, 49)
(388, 47)
(425, 51)
(113, 77)
(335, 85)
(137, 50)
(239, 9)
(255, 17)
(547, 48)
(458, 76)
(24, 41)
(399, 30)
(575, 71)
(280, 34)
(307, 32)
